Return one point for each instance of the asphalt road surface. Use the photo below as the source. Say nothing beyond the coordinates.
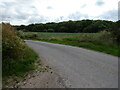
(78, 67)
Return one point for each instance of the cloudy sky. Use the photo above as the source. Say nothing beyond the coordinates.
(19, 12)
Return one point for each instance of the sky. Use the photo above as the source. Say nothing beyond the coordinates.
(19, 12)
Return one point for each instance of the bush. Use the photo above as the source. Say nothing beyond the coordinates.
(21, 34)
(12, 44)
(105, 35)
(115, 30)
(17, 57)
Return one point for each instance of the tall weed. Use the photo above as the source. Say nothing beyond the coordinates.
(17, 56)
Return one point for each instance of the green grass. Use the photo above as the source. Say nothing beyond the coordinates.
(58, 36)
(102, 48)
(94, 41)
(19, 67)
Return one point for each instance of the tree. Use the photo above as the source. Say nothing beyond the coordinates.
(115, 29)
(88, 26)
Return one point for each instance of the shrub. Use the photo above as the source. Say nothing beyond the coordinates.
(17, 57)
(12, 44)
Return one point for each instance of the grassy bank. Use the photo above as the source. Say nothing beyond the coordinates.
(102, 41)
(18, 58)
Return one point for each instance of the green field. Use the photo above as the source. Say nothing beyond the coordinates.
(102, 41)
(57, 36)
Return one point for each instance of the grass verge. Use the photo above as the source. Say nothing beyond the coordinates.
(108, 49)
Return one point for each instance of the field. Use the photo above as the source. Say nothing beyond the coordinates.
(101, 41)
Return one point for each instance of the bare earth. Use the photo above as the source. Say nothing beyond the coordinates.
(42, 80)
(73, 67)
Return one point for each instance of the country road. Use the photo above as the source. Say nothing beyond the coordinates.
(78, 67)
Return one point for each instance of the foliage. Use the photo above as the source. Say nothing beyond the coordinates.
(115, 29)
(84, 26)
(17, 57)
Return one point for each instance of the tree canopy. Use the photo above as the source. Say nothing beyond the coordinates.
(82, 26)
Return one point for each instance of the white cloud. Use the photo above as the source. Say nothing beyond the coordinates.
(41, 11)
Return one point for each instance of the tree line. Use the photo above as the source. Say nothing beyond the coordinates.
(82, 26)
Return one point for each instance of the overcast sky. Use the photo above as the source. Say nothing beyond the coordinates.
(41, 11)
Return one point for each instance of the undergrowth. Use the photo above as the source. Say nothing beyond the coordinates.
(18, 58)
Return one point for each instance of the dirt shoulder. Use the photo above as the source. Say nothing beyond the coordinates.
(42, 80)
(42, 77)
